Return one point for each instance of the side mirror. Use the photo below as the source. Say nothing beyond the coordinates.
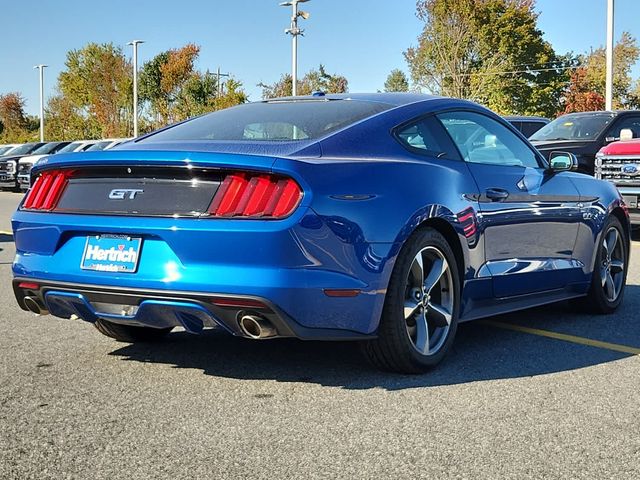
(562, 161)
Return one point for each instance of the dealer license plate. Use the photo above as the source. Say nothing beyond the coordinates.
(107, 253)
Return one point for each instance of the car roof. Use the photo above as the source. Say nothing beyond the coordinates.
(525, 118)
(390, 98)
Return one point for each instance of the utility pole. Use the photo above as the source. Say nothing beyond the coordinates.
(41, 68)
(218, 84)
(134, 44)
(609, 78)
(294, 31)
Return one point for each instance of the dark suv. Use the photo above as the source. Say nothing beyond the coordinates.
(584, 134)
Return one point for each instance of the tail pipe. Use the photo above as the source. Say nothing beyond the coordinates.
(257, 327)
(33, 306)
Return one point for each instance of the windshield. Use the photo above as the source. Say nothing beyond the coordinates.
(24, 149)
(46, 148)
(4, 150)
(70, 148)
(574, 126)
(98, 146)
(272, 121)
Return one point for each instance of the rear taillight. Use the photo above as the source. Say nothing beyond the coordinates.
(46, 190)
(244, 195)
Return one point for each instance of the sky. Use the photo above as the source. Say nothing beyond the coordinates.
(360, 39)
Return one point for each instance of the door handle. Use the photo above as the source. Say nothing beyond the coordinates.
(496, 194)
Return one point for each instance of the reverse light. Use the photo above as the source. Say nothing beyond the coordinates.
(243, 195)
(46, 190)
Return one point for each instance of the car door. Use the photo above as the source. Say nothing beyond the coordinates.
(529, 216)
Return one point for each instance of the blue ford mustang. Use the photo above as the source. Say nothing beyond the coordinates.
(382, 218)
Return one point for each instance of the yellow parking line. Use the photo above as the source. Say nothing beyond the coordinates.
(564, 337)
(4, 232)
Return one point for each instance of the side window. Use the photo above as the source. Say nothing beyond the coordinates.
(529, 128)
(631, 123)
(426, 136)
(481, 139)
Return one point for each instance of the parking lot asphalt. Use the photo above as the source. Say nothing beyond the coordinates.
(506, 403)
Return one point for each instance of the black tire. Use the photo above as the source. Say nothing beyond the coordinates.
(130, 334)
(395, 349)
(598, 300)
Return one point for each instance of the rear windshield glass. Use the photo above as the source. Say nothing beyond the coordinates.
(272, 121)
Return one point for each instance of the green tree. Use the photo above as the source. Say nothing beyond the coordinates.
(625, 54)
(396, 82)
(172, 89)
(490, 51)
(313, 81)
(65, 121)
(97, 83)
(16, 126)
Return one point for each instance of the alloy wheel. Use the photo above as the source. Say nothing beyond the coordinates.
(613, 264)
(429, 301)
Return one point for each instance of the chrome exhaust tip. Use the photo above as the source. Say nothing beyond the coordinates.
(256, 327)
(33, 306)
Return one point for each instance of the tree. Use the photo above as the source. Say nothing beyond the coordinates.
(625, 54)
(580, 96)
(64, 121)
(15, 125)
(490, 51)
(97, 84)
(172, 89)
(396, 82)
(313, 81)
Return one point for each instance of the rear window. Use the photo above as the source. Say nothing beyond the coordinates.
(272, 121)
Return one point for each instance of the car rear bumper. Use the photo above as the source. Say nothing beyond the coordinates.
(298, 267)
(194, 311)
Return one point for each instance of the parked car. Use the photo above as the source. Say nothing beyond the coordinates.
(25, 163)
(382, 218)
(527, 125)
(619, 163)
(584, 134)
(24, 178)
(6, 149)
(9, 164)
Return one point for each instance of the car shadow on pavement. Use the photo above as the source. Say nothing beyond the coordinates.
(481, 352)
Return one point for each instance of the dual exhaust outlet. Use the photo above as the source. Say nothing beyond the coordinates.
(252, 326)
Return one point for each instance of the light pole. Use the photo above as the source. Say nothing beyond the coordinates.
(218, 84)
(609, 76)
(294, 31)
(134, 44)
(41, 68)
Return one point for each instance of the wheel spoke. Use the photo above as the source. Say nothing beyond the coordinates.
(617, 266)
(611, 241)
(422, 334)
(610, 287)
(603, 276)
(410, 308)
(438, 268)
(440, 315)
(417, 268)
